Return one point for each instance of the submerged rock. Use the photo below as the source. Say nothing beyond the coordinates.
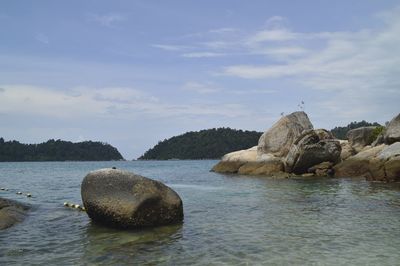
(11, 212)
(125, 200)
(280, 137)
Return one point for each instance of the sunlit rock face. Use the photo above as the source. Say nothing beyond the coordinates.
(280, 137)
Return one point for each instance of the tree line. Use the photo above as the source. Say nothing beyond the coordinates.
(341, 132)
(204, 144)
(57, 150)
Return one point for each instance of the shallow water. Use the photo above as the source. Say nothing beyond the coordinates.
(229, 220)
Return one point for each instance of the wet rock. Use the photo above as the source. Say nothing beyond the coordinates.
(280, 137)
(231, 162)
(125, 200)
(266, 167)
(321, 169)
(11, 212)
(229, 167)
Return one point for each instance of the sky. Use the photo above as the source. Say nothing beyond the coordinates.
(132, 73)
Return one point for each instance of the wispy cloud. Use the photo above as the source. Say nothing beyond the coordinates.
(202, 88)
(168, 47)
(107, 20)
(202, 54)
(112, 102)
(40, 37)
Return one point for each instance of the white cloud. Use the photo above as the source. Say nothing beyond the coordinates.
(272, 35)
(167, 47)
(202, 54)
(124, 103)
(107, 20)
(202, 88)
(223, 30)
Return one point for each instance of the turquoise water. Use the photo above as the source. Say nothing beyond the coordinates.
(229, 220)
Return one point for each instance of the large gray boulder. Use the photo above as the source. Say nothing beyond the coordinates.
(392, 132)
(280, 137)
(361, 137)
(311, 148)
(11, 212)
(125, 200)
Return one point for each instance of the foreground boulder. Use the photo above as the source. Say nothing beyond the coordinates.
(311, 148)
(11, 212)
(392, 132)
(125, 200)
(361, 137)
(280, 137)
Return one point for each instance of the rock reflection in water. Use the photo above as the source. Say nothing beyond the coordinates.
(109, 246)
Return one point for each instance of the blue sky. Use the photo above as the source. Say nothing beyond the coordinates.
(132, 73)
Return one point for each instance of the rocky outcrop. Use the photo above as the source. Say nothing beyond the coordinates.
(125, 200)
(291, 147)
(360, 137)
(311, 148)
(347, 150)
(272, 166)
(247, 162)
(11, 212)
(380, 163)
(322, 169)
(231, 162)
(280, 137)
(392, 132)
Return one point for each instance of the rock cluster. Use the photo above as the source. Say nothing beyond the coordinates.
(122, 199)
(292, 146)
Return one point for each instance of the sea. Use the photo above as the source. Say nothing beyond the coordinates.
(229, 219)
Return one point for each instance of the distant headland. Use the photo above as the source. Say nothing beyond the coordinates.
(57, 150)
(204, 144)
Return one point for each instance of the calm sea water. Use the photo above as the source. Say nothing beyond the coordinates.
(229, 220)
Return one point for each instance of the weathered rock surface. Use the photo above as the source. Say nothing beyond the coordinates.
(231, 162)
(280, 137)
(125, 200)
(392, 132)
(360, 137)
(311, 148)
(380, 163)
(347, 150)
(11, 212)
(272, 166)
(322, 169)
